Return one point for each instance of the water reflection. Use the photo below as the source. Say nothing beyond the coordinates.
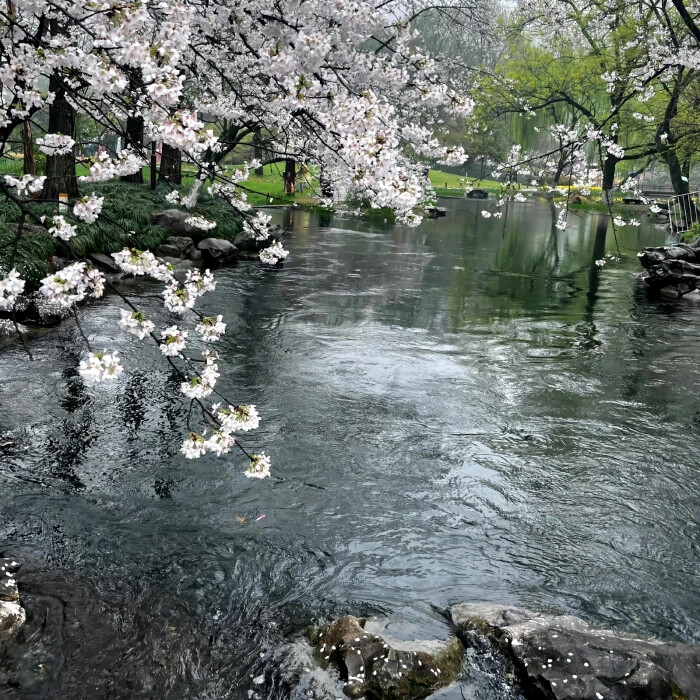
(471, 410)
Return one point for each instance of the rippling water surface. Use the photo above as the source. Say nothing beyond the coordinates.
(469, 411)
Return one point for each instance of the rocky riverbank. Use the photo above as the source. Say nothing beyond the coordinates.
(183, 249)
(523, 654)
(673, 268)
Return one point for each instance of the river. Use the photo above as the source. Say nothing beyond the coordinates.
(467, 411)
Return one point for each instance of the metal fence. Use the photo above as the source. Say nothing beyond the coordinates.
(683, 211)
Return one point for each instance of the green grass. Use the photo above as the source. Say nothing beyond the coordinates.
(448, 184)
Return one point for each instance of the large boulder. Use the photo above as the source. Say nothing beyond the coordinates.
(176, 247)
(247, 242)
(675, 267)
(379, 668)
(217, 249)
(105, 262)
(560, 657)
(173, 221)
(12, 615)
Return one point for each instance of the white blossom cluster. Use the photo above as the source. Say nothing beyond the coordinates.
(103, 168)
(55, 144)
(202, 384)
(180, 298)
(211, 329)
(10, 288)
(173, 341)
(27, 184)
(136, 323)
(143, 262)
(72, 284)
(100, 367)
(259, 467)
(258, 226)
(62, 229)
(89, 208)
(237, 418)
(273, 254)
(200, 222)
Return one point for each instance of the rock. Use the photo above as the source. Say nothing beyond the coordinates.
(194, 254)
(182, 268)
(173, 221)
(104, 261)
(378, 670)
(247, 242)
(477, 194)
(560, 657)
(676, 266)
(435, 212)
(217, 248)
(12, 615)
(175, 247)
(168, 251)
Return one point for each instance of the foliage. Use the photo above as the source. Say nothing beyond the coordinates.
(692, 234)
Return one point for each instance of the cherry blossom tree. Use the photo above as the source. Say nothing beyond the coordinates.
(300, 71)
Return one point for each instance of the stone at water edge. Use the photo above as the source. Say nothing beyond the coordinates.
(175, 247)
(247, 242)
(217, 248)
(435, 212)
(377, 670)
(560, 657)
(12, 615)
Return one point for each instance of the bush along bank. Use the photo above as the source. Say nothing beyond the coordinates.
(134, 219)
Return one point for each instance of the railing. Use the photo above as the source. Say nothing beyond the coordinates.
(683, 211)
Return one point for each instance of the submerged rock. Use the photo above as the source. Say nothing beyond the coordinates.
(560, 657)
(12, 614)
(435, 212)
(378, 668)
(477, 193)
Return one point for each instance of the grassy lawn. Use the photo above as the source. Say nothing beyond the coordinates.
(448, 184)
(260, 188)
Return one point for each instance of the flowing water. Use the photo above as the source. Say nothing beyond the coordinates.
(468, 411)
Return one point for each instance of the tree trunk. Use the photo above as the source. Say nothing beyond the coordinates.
(290, 176)
(675, 171)
(60, 169)
(154, 165)
(258, 150)
(134, 138)
(28, 147)
(170, 165)
(560, 168)
(134, 127)
(325, 185)
(609, 166)
(666, 147)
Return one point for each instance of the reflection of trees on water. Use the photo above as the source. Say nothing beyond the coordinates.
(139, 415)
